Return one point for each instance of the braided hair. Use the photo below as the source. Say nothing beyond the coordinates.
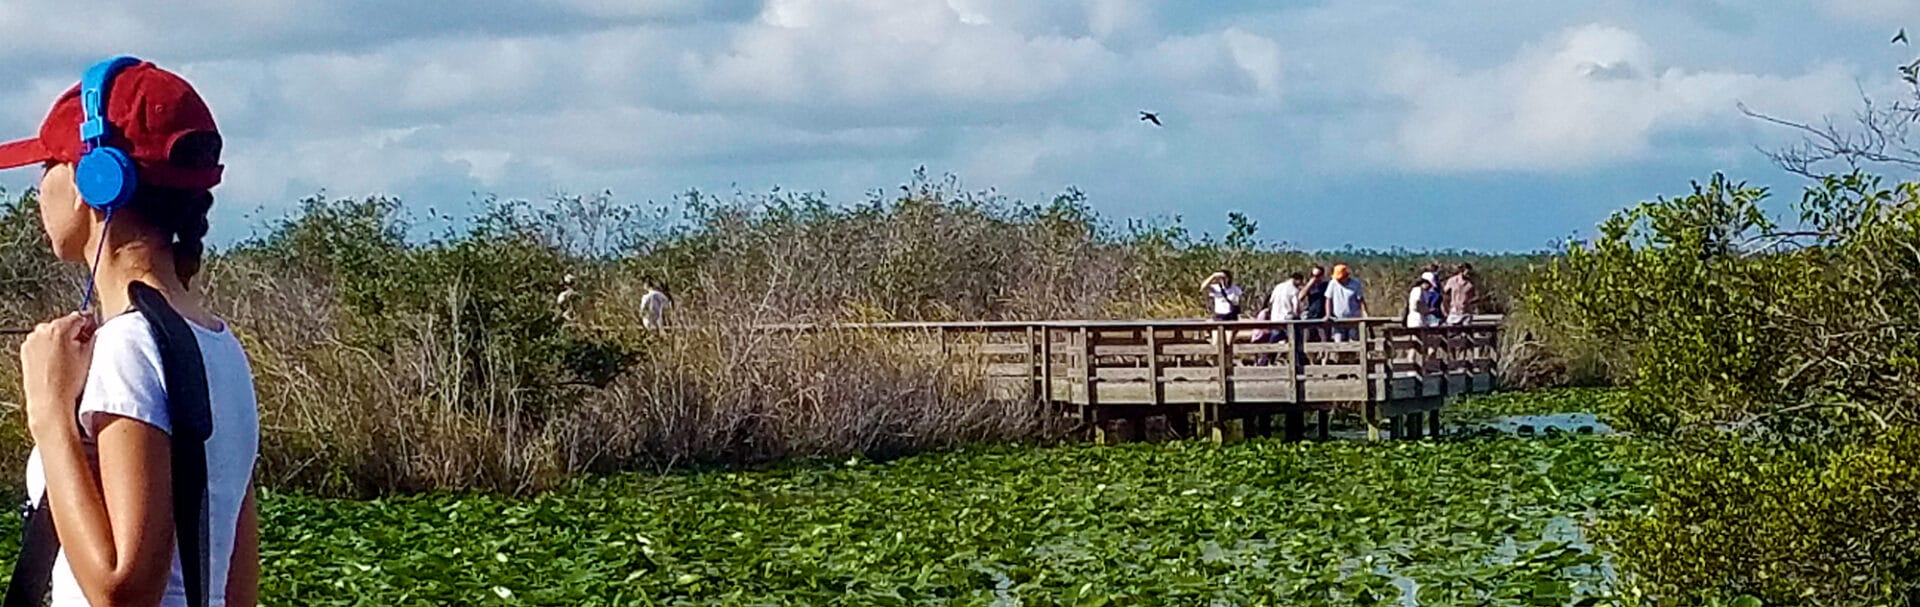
(181, 214)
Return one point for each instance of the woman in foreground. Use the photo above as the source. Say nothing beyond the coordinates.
(96, 404)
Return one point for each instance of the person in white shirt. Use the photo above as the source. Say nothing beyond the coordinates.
(1287, 298)
(1431, 299)
(93, 392)
(653, 306)
(566, 297)
(1224, 295)
(1419, 306)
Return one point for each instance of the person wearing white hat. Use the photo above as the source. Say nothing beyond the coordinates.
(566, 297)
(1430, 300)
(1419, 310)
(1224, 295)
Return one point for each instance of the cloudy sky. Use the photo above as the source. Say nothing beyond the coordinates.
(1415, 123)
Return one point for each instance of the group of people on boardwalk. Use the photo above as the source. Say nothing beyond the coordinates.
(1337, 295)
(1432, 302)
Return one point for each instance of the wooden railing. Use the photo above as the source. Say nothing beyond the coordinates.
(1183, 362)
(1394, 377)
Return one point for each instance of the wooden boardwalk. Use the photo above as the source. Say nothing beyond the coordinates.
(1119, 374)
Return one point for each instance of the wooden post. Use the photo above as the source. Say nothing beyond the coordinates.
(1433, 423)
(1153, 369)
(1295, 358)
(1211, 422)
(1225, 363)
(1046, 364)
(1493, 358)
(1371, 412)
(1033, 372)
(1296, 425)
(1103, 433)
(1366, 359)
(1213, 415)
(1089, 376)
(1412, 424)
(1371, 407)
(1325, 422)
(1180, 421)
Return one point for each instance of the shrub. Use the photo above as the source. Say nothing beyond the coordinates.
(1780, 362)
(488, 295)
(37, 285)
(1666, 281)
(1791, 524)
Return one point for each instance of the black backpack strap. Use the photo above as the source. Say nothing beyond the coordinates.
(33, 572)
(189, 406)
(190, 409)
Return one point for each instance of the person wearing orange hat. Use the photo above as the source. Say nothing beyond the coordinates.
(129, 158)
(1345, 299)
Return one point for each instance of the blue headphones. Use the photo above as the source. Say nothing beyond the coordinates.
(106, 175)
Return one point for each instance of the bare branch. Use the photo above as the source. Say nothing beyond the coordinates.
(1879, 135)
(1775, 240)
(1878, 420)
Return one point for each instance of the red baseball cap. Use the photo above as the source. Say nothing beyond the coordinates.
(150, 109)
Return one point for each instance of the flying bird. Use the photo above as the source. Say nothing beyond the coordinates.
(1146, 116)
(1900, 38)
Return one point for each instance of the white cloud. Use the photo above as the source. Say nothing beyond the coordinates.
(866, 54)
(1106, 20)
(1258, 57)
(1594, 95)
(52, 32)
(1109, 18)
(580, 88)
(1266, 105)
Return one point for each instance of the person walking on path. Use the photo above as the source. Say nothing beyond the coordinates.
(565, 299)
(1461, 295)
(653, 306)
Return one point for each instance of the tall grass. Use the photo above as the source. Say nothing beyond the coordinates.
(344, 420)
(424, 411)
(394, 364)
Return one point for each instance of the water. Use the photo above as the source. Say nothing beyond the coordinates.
(1531, 425)
(1515, 425)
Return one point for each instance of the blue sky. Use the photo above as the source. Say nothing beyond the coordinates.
(1421, 124)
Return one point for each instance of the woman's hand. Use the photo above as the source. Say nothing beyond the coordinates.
(53, 366)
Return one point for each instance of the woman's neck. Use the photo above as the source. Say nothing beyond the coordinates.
(130, 262)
